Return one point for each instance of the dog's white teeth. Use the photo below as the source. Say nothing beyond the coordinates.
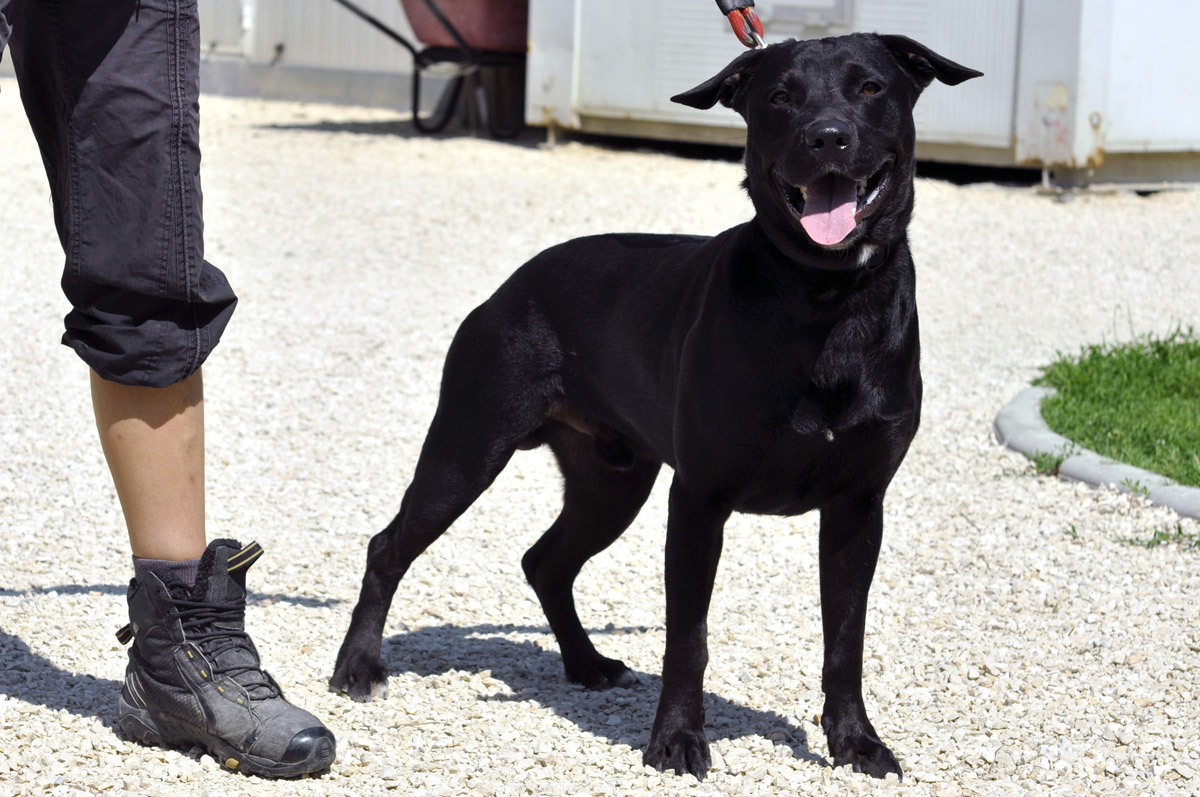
(804, 192)
(862, 187)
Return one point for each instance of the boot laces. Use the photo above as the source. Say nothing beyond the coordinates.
(199, 620)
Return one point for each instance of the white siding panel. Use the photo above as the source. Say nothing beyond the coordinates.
(695, 43)
(636, 54)
(221, 26)
(1153, 61)
(323, 34)
(981, 34)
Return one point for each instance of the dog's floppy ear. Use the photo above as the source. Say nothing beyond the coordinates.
(722, 87)
(924, 64)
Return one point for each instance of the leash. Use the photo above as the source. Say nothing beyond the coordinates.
(744, 21)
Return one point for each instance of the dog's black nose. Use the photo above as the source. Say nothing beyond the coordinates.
(831, 134)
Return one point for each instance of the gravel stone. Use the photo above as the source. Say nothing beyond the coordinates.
(1016, 642)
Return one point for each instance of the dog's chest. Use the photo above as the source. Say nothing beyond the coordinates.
(826, 413)
(847, 432)
(798, 470)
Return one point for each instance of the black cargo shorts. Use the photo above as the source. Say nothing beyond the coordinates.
(111, 91)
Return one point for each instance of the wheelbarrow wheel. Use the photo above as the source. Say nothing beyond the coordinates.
(504, 99)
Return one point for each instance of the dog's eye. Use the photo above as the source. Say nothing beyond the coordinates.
(871, 87)
(779, 98)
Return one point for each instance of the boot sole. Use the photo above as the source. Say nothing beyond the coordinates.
(158, 729)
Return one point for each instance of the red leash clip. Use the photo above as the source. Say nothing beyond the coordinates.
(745, 22)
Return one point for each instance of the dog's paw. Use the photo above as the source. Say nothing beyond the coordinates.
(601, 673)
(363, 680)
(684, 750)
(867, 755)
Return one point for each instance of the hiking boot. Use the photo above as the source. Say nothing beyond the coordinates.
(194, 677)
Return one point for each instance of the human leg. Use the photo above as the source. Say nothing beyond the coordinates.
(111, 91)
(153, 439)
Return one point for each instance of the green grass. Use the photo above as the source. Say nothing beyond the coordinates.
(1163, 536)
(1047, 463)
(1137, 403)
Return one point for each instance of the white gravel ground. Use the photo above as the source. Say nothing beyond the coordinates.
(1017, 643)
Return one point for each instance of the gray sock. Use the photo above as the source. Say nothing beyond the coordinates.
(185, 570)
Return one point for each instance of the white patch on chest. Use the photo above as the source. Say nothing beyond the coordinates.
(866, 253)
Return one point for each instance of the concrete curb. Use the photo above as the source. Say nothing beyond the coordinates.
(1019, 425)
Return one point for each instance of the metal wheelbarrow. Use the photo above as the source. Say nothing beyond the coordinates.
(485, 43)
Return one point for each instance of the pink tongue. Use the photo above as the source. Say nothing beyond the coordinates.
(829, 207)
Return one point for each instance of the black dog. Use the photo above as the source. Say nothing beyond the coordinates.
(773, 367)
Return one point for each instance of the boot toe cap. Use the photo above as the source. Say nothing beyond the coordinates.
(315, 746)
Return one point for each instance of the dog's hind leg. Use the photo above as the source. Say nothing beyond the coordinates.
(490, 403)
(599, 503)
(443, 487)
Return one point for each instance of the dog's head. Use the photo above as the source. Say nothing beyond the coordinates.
(830, 138)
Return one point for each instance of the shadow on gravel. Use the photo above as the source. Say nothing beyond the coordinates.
(30, 678)
(529, 138)
(252, 597)
(536, 674)
(67, 589)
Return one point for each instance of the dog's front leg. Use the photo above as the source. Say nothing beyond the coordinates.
(851, 532)
(694, 531)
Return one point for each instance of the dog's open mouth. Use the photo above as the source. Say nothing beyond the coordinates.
(831, 206)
